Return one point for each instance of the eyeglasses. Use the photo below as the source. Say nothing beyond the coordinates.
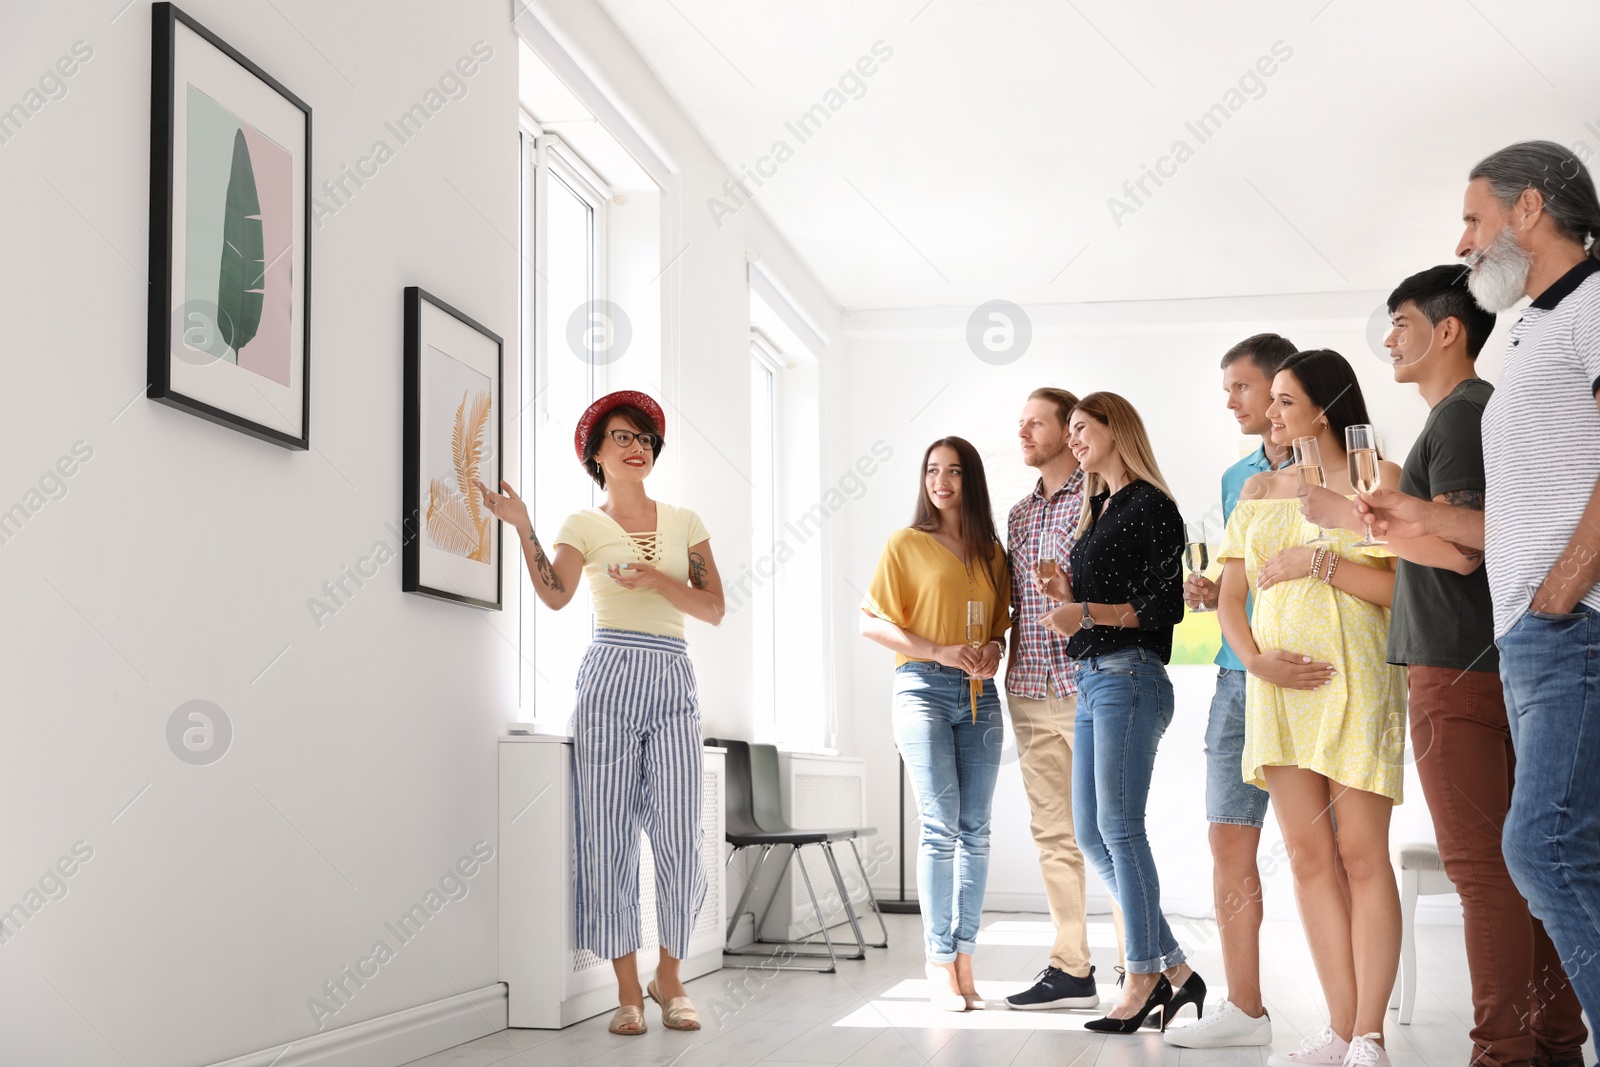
(627, 437)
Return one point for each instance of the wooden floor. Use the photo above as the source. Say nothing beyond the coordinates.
(874, 1013)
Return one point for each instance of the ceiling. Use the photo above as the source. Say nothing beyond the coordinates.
(978, 160)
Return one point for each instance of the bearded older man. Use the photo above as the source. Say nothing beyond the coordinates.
(1531, 218)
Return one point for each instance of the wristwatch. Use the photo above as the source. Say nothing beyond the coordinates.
(1088, 620)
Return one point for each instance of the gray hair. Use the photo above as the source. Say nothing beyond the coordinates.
(1558, 175)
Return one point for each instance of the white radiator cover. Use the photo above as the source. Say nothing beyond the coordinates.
(709, 922)
(819, 793)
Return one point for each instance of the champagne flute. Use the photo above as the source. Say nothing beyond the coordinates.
(1361, 446)
(977, 626)
(1197, 558)
(1308, 468)
(1046, 567)
(977, 637)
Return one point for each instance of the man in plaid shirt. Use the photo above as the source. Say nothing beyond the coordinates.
(1042, 698)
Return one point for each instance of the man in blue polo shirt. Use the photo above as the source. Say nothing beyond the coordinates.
(1235, 808)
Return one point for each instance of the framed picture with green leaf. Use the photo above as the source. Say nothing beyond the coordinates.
(230, 236)
(453, 436)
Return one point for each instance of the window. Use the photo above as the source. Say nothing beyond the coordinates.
(763, 511)
(564, 277)
(591, 323)
(791, 501)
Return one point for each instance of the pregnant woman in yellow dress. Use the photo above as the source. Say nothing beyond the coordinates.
(1324, 711)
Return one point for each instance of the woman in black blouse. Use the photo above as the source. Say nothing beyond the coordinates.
(1126, 596)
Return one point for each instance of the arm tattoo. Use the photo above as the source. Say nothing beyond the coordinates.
(547, 570)
(1471, 499)
(1465, 498)
(697, 570)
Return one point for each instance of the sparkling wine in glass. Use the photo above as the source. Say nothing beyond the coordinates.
(1046, 567)
(1361, 446)
(977, 624)
(977, 637)
(1308, 469)
(1196, 558)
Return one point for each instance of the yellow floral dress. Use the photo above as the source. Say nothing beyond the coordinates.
(1351, 730)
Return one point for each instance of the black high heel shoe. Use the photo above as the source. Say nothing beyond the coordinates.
(1160, 996)
(1192, 991)
(1122, 979)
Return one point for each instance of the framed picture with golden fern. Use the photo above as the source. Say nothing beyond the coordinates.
(454, 432)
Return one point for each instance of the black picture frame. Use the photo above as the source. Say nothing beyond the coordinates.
(418, 301)
(162, 311)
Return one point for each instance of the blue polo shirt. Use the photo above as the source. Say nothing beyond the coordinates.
(1233, 480)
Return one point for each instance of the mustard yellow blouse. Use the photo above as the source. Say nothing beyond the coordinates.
(920, 586)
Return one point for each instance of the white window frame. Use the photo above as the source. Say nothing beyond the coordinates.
(556, 159)
(544, 157)
(765, 356)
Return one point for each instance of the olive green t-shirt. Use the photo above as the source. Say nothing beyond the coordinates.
(1441, 618)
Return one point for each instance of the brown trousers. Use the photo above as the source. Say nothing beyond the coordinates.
(1524, 1009)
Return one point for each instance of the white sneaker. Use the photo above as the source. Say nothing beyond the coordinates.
(1322, 1049)
(1366, 1052)
(1225, 1028)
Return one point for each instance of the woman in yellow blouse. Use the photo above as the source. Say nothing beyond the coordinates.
(946, 712)
(1324, 710)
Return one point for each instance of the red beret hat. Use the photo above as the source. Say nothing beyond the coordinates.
(597, 412)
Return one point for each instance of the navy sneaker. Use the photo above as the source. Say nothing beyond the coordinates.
(1056, 988)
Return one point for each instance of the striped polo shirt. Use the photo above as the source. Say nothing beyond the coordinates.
(1541, 441)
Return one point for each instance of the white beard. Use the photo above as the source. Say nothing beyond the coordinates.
(1499, 275)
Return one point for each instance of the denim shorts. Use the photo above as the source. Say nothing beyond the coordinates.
(1229, 798)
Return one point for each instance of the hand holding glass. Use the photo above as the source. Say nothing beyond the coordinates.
(977, 626)
(1308, 468)
(1361, 446)
(1196, 558)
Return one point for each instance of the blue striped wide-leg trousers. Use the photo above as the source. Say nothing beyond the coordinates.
(636, 750)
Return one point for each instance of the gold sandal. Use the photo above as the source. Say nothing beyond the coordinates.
(677, 1013)
(628, 1021)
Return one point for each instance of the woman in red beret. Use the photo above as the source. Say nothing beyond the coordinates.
(636, 726)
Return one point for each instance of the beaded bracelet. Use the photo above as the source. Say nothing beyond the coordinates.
(1332, 566)
(1316, 562)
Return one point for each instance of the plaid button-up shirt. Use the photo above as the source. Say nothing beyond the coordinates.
(1039, 654)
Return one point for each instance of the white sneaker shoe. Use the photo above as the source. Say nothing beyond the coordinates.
(1225, 1028)
(1366, 1052)
(1322, 1049)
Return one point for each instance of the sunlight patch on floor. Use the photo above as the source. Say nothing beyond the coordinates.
(905, 1005)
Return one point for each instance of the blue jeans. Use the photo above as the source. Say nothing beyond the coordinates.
(1124, 706)
(1229, 798)
(952, 763)
(1550, 667)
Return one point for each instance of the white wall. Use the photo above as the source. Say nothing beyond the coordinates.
(913, 379)
(179, 562)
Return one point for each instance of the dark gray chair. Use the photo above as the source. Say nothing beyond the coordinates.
(755, 820)
(765, 781)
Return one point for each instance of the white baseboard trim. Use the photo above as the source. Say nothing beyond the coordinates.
(1017, 902)
(390, 1040)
